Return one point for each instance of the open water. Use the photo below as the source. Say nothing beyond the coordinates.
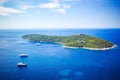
(51, 61)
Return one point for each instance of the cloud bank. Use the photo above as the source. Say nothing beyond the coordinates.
(59, 6)
(5, 11)
(56, 5)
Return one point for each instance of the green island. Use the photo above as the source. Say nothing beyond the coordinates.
(73, 41)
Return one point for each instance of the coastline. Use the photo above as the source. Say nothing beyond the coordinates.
(74, 39)
(85, 47)
(91, 48)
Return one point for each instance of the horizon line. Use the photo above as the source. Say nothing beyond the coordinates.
(55, 28)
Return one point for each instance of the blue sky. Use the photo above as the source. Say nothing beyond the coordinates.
(50, 14)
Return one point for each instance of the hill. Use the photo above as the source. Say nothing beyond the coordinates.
(79, 41)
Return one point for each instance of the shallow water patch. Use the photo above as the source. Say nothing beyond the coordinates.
(65, 72)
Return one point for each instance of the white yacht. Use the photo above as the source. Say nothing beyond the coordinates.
(23, 55)
(37, 44)
(21, 64)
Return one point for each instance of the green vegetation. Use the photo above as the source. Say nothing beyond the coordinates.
(79, 40)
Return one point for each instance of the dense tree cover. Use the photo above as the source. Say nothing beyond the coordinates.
(79, 40)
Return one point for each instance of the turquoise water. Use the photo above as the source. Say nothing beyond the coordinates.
(51, 61)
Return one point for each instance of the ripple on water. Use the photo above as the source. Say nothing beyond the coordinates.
(78, 74)
(64, 79)
(65, 72)
(5, 43)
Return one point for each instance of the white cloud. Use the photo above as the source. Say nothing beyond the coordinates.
(65, 0)
(56, 5)
(4, 11)
(49, 5)
(2, 1)
(62, 11)
(27, 7)
(63, 8)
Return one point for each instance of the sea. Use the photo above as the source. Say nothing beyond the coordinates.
(50, 61)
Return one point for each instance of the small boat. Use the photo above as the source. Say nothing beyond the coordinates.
(23, 55)
(21, 64)
(37, 44)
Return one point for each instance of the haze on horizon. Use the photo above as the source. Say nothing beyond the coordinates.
(53, 14)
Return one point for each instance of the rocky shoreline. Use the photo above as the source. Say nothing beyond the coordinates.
(91, 48)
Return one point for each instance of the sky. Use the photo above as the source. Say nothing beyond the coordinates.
(55, 14)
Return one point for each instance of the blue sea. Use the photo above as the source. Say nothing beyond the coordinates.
(51, 61)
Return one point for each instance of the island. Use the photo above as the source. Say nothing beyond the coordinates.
(73, 41)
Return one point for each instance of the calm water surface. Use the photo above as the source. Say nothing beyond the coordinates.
(51, 61)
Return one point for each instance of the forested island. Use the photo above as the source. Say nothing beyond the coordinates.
(73, 41)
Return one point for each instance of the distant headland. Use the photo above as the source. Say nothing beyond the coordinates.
(73, 41)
